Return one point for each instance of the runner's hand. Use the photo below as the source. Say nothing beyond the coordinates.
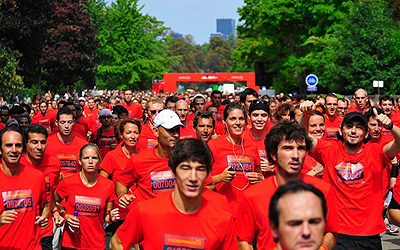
(58, 219)
(114, 214)
(42, 221)
(125, 200)
(8, 217)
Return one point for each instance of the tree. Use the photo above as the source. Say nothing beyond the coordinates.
(131, 47)
(68, 53)
(283, 34)
(364, 48)
(191, 56)
(11, 82)
(219, 55)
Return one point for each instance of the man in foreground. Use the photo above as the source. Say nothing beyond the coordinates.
(183, 218)
(297, 214)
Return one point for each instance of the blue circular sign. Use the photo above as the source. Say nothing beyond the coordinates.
(312, 80)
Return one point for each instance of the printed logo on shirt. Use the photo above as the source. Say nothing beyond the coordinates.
(331, 133)
(151, 143)
(183, 242)
(44, 122)
(262, 154)
(68, 161)
(240, 164)
(47, 182)
(350, 173)
(386, 132)
(162, 181)
(105, 142)
(87, 206)
(19, 200)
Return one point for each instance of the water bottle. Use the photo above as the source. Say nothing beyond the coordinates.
(74, 230)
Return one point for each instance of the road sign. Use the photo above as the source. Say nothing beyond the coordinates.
(312, 80)
(311, 88)
(378, 84)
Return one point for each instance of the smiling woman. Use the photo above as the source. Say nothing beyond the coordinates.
(236, 161)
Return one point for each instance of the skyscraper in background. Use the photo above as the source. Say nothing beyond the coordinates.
(226, 27)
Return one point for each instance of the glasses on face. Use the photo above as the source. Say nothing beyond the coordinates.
(153, 112)
(258, 102)
(4, 115)
(341, 108)
(361, 98)
(106, 117)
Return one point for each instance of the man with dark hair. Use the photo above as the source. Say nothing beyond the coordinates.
(286, 146)
(15, 111)
(91, 108)
(43, 117)
(134, 109)
(106, 137)
(23, 121)
(23, 204)
(204, 125)
(35, 157)
(386, 103)
(297, 216)
(247, 96)
(332, 120)
(148, 171)
(342, 107)
(170, 102)
(355, 172)
(211, 227)
(4, 116)
(216, 99)
(65, 144)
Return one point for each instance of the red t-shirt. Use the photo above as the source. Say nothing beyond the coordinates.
(134, 109)
(209, 228)
(68, 154)
(150, 173)
(90, 202)
(90, 112)
(357, 182)
(188, 131)
(331, 127)
(107, 138)
(44, 120)
(219, 128)
(2, 126)
(252, 221)
(93, 123)
(241, 162)
(147, 139)
(114, 161)
(258, 142)
(25, 193)
(395, 117)
(50, 167)
(396, 190)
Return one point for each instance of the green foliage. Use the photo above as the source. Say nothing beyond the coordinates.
(365, 48)
(219, 55)
(11, 82)
(131, 46)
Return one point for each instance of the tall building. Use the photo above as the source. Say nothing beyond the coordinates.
(226, 27)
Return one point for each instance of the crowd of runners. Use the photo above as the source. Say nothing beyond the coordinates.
(199, 171)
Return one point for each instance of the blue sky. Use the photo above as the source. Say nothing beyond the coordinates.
(195, 17)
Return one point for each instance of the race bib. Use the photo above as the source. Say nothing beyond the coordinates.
(44, 122)
(19, 200)
(87, 206)
(331, 133)
(162, 181)
(350, 173)
(183, 242)
(105, 142)
(240, 164)
(151, 143)
(68, 161)
(262, 154)
(47, 183)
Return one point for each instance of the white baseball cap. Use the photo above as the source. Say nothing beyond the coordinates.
(167, 119)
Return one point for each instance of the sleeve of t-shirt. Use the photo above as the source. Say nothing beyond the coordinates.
(61, 189)
(130, 232)
(106, 164)
(245, 225)
(321, 149)
(127, 176)
(229, 241)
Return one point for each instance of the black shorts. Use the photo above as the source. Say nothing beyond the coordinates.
(394, 204)
(346, 242)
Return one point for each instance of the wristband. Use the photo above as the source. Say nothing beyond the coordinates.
(390, 126)
(323, 247)
(55, 210)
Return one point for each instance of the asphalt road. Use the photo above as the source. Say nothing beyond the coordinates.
(390, 242)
